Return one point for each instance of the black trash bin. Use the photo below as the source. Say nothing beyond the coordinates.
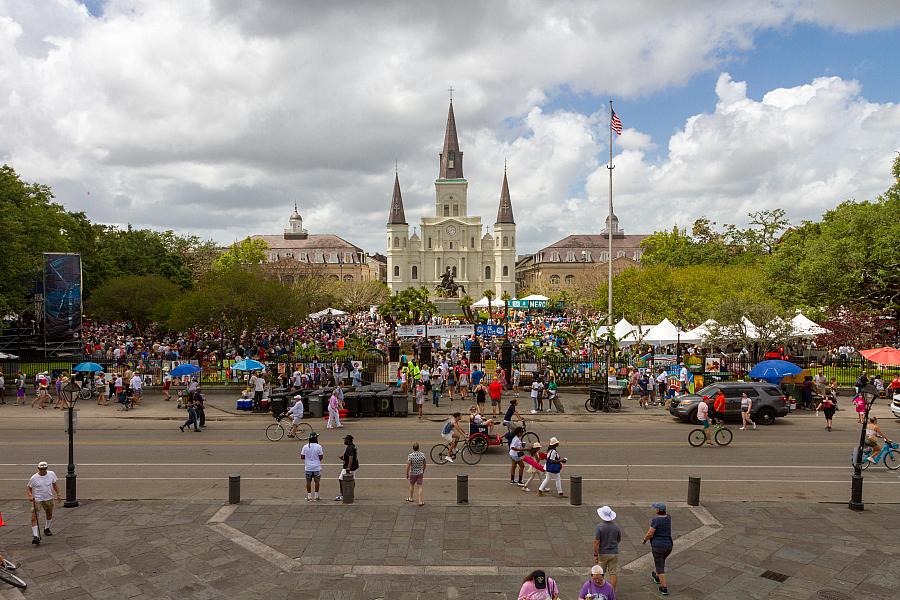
(366, 404)
(376, 387)
(384, 403)
(315, 405)
(400, 403)
(351, 402)
(278, 405)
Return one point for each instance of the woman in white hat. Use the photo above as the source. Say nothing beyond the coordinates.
(552, 468)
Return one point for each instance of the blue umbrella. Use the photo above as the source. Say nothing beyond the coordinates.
(184, 369)
(87, 367)
(248, 365)
(774, 370)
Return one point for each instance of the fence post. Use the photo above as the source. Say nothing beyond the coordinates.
(234, 488)
(462, 489)
(575, 490)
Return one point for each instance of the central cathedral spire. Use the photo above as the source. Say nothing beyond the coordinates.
(451, 157)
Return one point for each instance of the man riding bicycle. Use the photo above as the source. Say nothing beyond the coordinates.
(703, 418)
(873, 432)
(296, 414)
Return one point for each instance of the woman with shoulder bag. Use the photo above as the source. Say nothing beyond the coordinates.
(553, 468)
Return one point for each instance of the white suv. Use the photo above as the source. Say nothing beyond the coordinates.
(895, 406)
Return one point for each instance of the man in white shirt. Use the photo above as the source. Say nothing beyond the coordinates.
(296, 414)
(312, 454)
(683, 379)
(41, 490)
(137, 388)
(258, 384)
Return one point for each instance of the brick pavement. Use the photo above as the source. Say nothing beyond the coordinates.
(167, 549)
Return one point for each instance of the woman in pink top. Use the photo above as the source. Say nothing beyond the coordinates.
(537, 586)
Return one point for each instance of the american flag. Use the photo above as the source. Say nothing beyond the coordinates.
(615, 124)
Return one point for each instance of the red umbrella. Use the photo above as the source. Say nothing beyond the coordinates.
(883, 356)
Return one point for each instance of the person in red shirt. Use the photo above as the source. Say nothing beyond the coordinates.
(719, 406)
(495, 390)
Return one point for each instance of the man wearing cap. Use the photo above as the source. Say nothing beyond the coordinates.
(349, 464)
(41, 490)
(606, 544)
(312, 454)
(596, 588)
(296, 414)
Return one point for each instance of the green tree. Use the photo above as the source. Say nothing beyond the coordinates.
(248, 252)
(141, 299)
(734, 316)
(355, 296)
(851, 257)
(489, 294)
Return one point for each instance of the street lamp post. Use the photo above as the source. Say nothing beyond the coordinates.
(506, 347)
(70, 396)
(678, 342)
(869, 394)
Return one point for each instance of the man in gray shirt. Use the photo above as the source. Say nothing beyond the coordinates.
(606, 544)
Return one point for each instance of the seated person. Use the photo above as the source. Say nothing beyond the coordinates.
(477, 423)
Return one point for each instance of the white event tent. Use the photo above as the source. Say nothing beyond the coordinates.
(535, 297)
(663, 334)
(328, 311)
(805, 327)
(483, 303)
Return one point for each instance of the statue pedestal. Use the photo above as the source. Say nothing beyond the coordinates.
(447, 306)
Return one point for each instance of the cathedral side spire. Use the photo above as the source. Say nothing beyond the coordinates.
(451, 157)
(397, 216)
(505, 212)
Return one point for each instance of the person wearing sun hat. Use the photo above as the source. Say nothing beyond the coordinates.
(607, 536)
(552, 468)
(660, 537)
(597, 588)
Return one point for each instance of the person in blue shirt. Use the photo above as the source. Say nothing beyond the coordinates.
(476, 376)
(660, 537)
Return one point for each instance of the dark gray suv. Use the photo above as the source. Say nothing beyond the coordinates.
(768, 401)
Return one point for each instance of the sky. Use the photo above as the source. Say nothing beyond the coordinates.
(212, 117)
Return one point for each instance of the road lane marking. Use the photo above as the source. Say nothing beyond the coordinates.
(403, 464)
(175, 442)
(625, 479)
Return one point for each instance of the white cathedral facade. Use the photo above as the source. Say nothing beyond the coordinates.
(451, 238)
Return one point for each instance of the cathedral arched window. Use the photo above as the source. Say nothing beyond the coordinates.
(505, 271)
(446, 210)
(472, 242)
(570, 280)
(348, 278)
(415, 272)
(429, 243)
(487, 273)
(453, 270)
(451, 159)
(505, 241)
(554, 280)
(456, 210)
(396, 242)
(396, 271)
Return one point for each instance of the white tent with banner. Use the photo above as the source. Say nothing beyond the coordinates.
(806, 327)
(535, 297)
(333, 312)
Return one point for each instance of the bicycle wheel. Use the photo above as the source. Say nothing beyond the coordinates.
(274, 432)
(478, 444)
(591, 406)
(530, 438)
(469, 457)
(696, 438)
(439, 453)
(891, 460)
(303, 430)
(12, 579)
(723, 436)
(865, 462)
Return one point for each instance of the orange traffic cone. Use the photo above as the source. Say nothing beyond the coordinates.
(1, 520)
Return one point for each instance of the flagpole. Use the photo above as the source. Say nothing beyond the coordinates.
(609, 256)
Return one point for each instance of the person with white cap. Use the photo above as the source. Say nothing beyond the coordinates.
(606, 544)
(552, 468)
(296, 414)
(597, 588)
(41, 490)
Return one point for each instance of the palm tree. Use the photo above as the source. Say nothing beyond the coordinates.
(465, 305)
(489, 294)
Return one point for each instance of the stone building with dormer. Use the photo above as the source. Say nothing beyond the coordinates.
(452, 239)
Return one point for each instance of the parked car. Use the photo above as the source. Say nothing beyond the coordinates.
(769, 401)
(895, 406)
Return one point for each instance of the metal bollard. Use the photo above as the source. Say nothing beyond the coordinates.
(349, 488)
(575, 490)
(462, 489)
(693, 498)
(234, 488)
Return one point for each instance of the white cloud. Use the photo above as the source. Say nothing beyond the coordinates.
(213, 116)
(803, 149)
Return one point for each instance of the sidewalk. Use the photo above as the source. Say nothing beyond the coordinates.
(199, 550)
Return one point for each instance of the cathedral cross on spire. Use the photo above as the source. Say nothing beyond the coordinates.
(450, 89)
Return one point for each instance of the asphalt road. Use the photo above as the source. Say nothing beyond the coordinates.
(637, 457)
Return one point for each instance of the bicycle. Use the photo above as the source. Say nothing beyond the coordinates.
(885, 455)
(722, 435)
(440, 452)
(6, 568)
(276, 430)
(480, 442)
(598, 400)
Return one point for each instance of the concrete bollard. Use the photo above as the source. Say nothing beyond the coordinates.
(349, 485)
(234, 488)
(462, 489)
(693, 498)
(575, 490)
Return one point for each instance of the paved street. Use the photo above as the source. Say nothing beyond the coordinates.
(774, 500)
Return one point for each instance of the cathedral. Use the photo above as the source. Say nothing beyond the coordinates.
(451, 239)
